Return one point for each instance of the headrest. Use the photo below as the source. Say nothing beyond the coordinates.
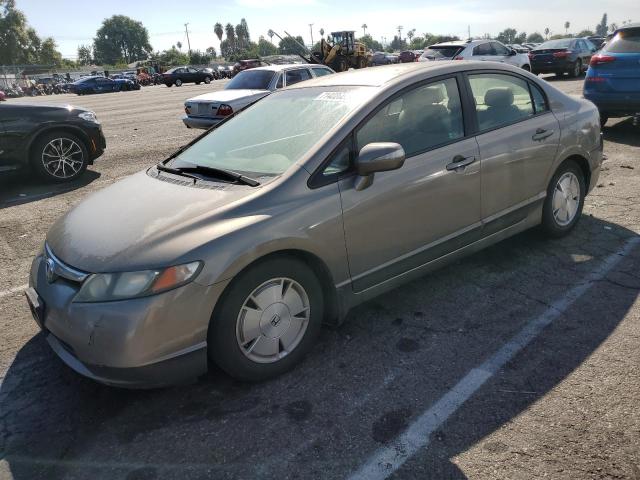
(498, 97)
(432, 95)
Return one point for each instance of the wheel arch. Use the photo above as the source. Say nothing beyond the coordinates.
(318, 266)
(583, 163)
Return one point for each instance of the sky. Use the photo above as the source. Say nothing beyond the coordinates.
(74, 22)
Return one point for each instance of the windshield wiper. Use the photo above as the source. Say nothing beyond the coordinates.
(175, 171)
(218, 172)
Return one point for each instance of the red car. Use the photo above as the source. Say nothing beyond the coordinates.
(246, 65)
(407, 57)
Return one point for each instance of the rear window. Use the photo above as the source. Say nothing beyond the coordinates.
(562, 43)
(625, 41)
(436, 52)
(251, 80)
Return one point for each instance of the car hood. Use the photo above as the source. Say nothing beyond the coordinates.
(143, 222)
(227, 95)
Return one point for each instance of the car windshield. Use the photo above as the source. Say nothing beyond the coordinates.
(625, 41)
(251, 80)
(276, 132)
(562, 43)
(436, 52)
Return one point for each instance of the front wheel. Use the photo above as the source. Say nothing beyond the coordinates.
(565, 199)
(576, 71)
(207, 80)
(59, 157)
(267, 320)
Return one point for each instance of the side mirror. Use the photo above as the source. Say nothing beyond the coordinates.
(377, 157)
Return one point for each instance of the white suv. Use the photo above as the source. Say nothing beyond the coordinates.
(488, 50)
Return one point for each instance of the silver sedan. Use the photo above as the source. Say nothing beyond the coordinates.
(236, 249)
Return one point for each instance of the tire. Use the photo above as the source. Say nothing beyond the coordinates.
(207, 80)
(254, 361)
(576, 70)
(178, 82)
(554, 223)
(361, 62)
(46, 148)
(341, 64)
(169, 85)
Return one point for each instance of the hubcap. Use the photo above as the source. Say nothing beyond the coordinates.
(566, 199)
(62, 158)
(273, 320)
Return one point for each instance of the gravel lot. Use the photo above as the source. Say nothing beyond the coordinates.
(443, 357)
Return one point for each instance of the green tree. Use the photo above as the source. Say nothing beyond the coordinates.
(172, 57)
(566, 27)
(231, 40)
(520, 38)
(369, 42)
(398, 44)
(266, 48)
(508, 35)
(585, 33)
(84, 55)
(601, 28)
(211, 51)
(535, 38)
(199, 58)
(417, 43)
(179, 45)
(119, 39)
(48, 54)
(546, 33)
(288, 46)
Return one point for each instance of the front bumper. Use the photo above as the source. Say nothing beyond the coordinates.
(138, 343)
(97, 142)
(200, 122)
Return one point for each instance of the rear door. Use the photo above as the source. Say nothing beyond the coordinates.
(518, 138)
(501, 53)
(296, 75)
(483, 52)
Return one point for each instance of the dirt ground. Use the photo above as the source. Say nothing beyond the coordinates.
(564, 405)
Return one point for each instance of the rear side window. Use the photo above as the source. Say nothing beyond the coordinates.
(483, 49)
(625, 41)
(422, 118)
(539, 102)
(500, 99)
(321, 71)
(297, 76)
(435, 53)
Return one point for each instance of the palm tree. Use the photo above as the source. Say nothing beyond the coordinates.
(179, 45)
(546, 33)
(271, 34)
(399, 28)
(566, 28)
(322, 33)
(217, 29)
(364, 29)
(231, 36)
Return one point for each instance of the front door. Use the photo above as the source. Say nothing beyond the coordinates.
(425, 209)
(518, 138)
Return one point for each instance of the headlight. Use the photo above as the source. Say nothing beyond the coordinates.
(88, 116)
(105, 287)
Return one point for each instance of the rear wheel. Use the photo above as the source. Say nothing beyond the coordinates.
(361, 62)
(207, 80)
(576, 70)
(59, 156)
(178, 82)
(169, 85)
(565, 199)
(267, 320)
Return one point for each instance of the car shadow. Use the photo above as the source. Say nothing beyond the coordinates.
(622, 132)
(22, 187)
(359, 388)
(561, 78)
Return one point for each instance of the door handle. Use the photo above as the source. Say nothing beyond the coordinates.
(541, 134)
(459, 163)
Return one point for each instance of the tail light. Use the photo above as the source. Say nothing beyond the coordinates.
(458, 58)
(601, 59)
(595, 79)
(224, 110)
(564, 54)
(187, 109)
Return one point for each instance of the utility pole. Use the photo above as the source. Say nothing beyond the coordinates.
(311, 31)
(469, 32)
(188, 42)
(399, 28)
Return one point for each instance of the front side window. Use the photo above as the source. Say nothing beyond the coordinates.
(284, 126)
(483, 49)
(539, 102)
(298, 75)
(500, 99)
(419, 119)
(320, 72)
(499, 49)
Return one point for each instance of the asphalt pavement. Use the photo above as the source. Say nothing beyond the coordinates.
(518, 362)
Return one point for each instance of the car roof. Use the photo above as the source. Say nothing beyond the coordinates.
(279, 68)
(628, 25)
(397, 73)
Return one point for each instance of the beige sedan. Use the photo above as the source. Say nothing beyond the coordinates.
(316, 198)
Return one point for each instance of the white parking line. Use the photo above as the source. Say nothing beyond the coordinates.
(388, 459)
(11, 291)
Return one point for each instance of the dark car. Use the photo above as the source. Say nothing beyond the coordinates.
(565, 55)
(57, 142)
(88, 85)
(246, 65)
(407, 56)
(597, 41)
(613, 78)
(127, 84)
(179, 75)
